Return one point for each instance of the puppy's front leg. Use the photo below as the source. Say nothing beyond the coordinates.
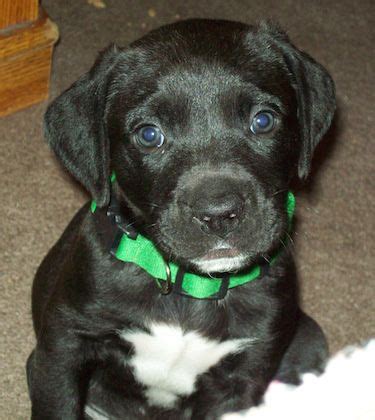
(56, 379)
(237, 387)
(239, 395)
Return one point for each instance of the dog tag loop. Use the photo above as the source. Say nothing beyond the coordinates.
(165, 286)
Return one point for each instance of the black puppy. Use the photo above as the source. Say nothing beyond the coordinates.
(173, 295)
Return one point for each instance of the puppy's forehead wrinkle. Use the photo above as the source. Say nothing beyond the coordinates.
(213, 83)
(197, 95)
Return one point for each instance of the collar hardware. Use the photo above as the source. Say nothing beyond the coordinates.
(220, 294)
(114, 213)
(166, 286)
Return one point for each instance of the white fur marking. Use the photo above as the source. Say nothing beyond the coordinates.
(167, 361)
(220, 264)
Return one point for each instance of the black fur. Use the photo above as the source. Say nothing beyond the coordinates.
(202, 82)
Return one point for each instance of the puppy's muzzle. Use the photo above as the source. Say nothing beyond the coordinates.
(218, 215)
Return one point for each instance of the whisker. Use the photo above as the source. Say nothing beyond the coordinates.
(267, 259)
(290, 238)
(131, 223)
(153, 205)
(282, 243)
(278, 192)
(309, 209)
(151, 224)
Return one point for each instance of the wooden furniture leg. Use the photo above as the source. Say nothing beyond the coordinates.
(27, 37)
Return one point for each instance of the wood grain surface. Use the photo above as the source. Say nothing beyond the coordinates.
(13, 12)
(25, 62)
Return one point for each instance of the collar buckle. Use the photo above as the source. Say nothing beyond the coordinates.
(114, 213)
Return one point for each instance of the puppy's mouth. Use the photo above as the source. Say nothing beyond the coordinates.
(255, 236)
(219, 260)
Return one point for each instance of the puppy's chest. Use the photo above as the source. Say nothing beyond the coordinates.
(168, 360)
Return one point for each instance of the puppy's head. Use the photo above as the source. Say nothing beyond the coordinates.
(204, 123)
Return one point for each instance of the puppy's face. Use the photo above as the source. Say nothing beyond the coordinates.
(204, 124)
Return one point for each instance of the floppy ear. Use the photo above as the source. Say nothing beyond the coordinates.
(315, 92)
(76, 131)
(316, 104)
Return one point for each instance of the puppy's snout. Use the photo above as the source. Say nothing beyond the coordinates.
(218, 215)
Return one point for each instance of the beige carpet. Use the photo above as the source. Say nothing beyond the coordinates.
(335, 233)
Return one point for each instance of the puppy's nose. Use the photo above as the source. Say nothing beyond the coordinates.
(219, 215)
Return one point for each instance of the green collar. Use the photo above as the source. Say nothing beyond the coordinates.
(137, 249)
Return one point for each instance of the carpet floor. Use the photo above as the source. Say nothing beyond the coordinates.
(334, 241)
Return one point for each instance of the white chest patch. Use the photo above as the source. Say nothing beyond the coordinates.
(168, 360)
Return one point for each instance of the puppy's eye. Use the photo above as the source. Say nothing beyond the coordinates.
(263, 122)
(150, 136)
